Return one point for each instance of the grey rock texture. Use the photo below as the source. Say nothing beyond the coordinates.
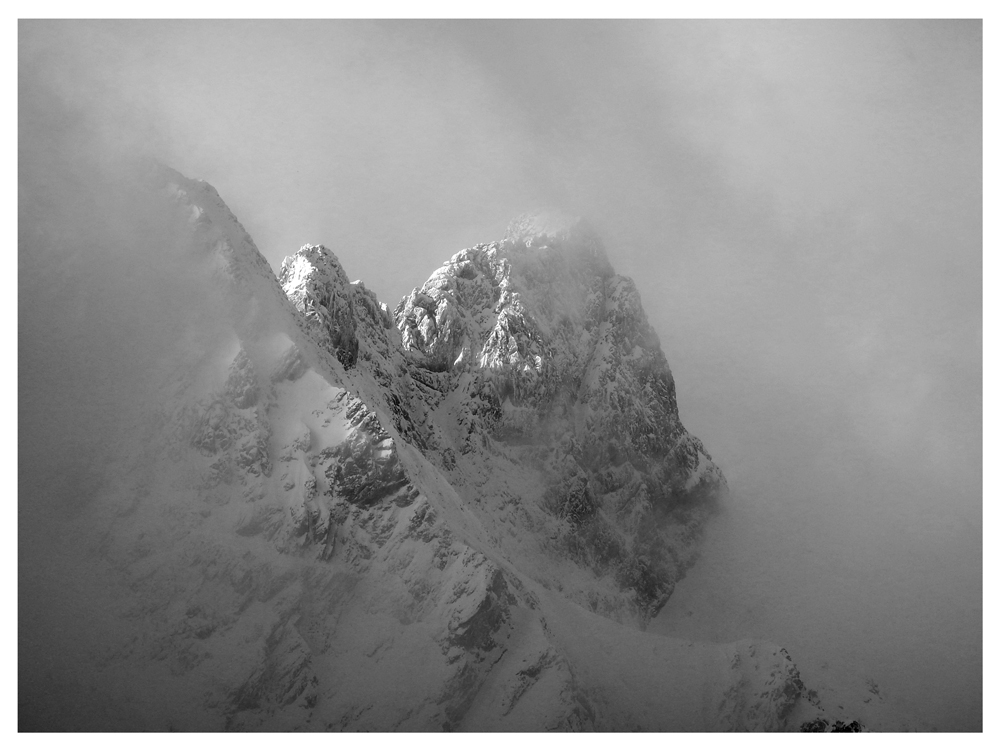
(456, 516)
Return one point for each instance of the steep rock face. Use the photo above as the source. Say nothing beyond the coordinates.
(349, 322)
(317, 288)
(535, 344)
(340, 519)
(528, 371)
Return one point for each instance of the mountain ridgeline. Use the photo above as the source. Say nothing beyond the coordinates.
(532, 354)
(457, 514)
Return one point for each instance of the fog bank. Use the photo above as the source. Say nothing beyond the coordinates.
(799, 203)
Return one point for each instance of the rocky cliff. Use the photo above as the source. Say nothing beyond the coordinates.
(457, 515)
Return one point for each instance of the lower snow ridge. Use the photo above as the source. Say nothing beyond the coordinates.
(283, 561)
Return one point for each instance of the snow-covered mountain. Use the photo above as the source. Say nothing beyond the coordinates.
(455, 515)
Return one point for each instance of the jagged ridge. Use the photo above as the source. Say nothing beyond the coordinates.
(357, 527)
(533, 349)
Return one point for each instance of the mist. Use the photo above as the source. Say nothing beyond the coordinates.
(799, 204)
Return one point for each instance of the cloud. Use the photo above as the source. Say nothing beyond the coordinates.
(800, 205)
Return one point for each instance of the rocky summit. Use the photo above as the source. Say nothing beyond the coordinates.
(456, 514)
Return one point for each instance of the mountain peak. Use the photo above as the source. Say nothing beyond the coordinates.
(534, 349)
(482, 472)
(315, 283)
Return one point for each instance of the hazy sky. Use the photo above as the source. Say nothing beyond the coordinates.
(799, 203)
(788, 196)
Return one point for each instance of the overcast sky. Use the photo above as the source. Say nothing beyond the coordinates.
(799, 203)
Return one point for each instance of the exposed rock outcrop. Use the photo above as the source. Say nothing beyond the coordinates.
(535, 347)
